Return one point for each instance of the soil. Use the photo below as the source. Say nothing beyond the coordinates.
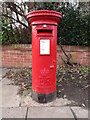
(72, 82)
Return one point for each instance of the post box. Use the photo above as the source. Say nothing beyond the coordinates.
(44, 48)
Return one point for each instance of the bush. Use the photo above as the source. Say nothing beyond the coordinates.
(6, 32)
(12, 35)
(74, 27)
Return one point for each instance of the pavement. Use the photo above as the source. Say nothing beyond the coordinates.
(12, 105)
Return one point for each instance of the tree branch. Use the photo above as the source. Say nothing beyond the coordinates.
(68, 57)
(15, 20)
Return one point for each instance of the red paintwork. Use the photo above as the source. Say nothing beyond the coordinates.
(44, 66)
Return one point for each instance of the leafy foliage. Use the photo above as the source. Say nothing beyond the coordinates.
(6, 32)
(10, 35)
(73, 29)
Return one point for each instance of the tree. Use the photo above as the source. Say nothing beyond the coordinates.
(15, 13)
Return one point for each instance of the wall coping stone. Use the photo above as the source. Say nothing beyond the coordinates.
(28, 47)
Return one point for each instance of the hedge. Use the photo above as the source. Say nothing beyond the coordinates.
(73, 29)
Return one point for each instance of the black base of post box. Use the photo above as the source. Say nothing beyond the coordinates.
(43, 98)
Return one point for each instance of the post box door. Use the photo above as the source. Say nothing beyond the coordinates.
(44, 64)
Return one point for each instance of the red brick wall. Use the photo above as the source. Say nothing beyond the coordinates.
(21, 55)
(79, 54)
(16, 56)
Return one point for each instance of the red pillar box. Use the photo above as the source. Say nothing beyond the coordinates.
(44, 48)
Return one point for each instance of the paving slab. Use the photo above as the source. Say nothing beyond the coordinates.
(89, 114)
(0, 113)
(0, 74)
(49, 112)
(10, 97)
(6, 81)
(19, 112)
(0, 87)
(4, 71)
(80, 112)
(0, 93)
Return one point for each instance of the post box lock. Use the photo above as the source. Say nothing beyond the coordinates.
(54, 61)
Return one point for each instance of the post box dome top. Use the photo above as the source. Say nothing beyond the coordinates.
(44, 12)
(44, 15)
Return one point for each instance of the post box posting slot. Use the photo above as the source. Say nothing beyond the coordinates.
(44, 47)
(44, 32)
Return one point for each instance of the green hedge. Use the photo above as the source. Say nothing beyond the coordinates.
(73, 29)
(10, 35)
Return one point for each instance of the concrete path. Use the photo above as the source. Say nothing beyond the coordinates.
(45, 112)
(13, 106)
(10, 98)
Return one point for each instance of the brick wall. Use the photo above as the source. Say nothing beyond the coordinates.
(21, 55)
(79, 54)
